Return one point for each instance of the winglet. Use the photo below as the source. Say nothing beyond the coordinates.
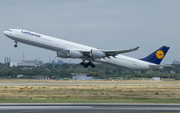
(136, 48)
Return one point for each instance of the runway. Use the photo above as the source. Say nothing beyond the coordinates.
(83, 84)
(87, 108)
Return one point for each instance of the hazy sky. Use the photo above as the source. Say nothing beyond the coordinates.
(106, 24)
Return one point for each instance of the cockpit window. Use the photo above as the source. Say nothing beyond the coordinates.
(10, 30)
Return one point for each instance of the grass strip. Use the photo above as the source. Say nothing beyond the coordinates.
(85, 101)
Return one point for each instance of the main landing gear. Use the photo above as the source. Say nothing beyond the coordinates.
(15, 44)
(88, 64)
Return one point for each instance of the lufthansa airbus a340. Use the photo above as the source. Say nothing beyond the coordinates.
(67, 49)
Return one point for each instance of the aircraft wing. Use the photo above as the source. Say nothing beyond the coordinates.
(109, 53)
(116, 52)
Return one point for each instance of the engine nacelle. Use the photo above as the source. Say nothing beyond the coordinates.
(74, 54)
(61, 55)
(97, 54)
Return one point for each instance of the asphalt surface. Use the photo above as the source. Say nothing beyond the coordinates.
(81, 84)
(87, 108)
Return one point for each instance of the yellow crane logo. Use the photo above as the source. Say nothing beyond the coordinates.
(159, 54)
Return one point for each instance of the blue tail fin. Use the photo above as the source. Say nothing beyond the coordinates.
(157, 56)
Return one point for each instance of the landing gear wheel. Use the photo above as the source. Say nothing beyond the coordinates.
(82, 63)
(92, 65)
(15, 45)
(86, 65)
(89, 63)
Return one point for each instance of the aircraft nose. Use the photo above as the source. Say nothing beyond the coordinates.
(5, 32)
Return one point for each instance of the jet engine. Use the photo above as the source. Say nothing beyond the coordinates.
(61, 55)
(74, 54)
(97, 54)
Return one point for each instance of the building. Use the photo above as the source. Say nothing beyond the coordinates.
(20, 76)
(28, 64)
(80, 76)
(175, 62)
(156, 79)
(58, 62)
(11, 64)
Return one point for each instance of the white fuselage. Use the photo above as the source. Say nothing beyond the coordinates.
(60, 45)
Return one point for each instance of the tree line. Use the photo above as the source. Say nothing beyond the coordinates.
(102, 71)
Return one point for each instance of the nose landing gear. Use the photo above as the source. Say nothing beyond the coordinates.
(15, 44)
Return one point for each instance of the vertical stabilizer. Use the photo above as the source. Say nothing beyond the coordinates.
(157, 56)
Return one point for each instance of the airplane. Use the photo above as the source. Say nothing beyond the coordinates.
(67, 49)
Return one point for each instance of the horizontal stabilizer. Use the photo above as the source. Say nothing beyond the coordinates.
(160, 66)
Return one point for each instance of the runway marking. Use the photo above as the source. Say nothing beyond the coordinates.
(81, 84)
(91, 106)
(43, 107)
